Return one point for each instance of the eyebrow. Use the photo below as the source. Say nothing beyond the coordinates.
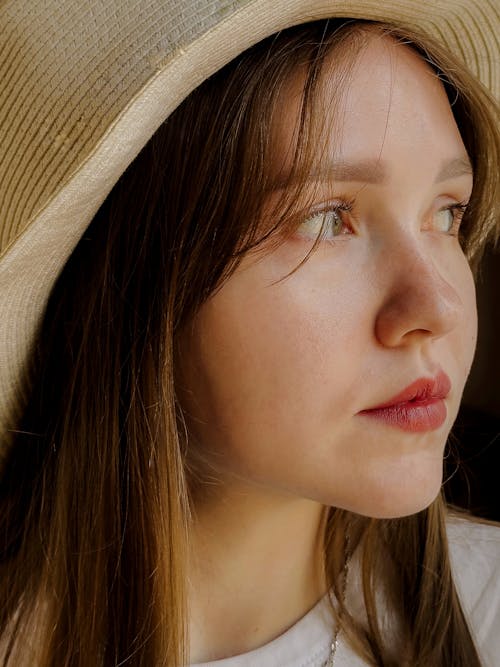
(454, 168)
(371, 171)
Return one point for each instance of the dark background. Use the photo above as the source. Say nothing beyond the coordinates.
(475, 483)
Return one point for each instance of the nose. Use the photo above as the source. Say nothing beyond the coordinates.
(419, 303)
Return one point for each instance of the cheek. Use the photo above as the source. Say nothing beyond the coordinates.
(270, 361)
(466, 333)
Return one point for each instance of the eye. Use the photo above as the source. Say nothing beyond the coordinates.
(448, 219)
(325, 225)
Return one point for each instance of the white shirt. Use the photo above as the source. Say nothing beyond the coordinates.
(475, 562)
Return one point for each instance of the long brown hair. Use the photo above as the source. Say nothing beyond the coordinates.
(95, 496)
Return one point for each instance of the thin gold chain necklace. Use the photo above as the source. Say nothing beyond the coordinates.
(345, 571)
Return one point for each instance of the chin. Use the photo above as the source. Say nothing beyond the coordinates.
(399, 499)
(403, 509)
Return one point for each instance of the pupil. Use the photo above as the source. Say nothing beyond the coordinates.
(336, 222)
(448, 219)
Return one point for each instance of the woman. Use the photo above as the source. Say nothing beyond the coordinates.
(227, 435)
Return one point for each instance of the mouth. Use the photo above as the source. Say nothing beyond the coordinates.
(418, 408)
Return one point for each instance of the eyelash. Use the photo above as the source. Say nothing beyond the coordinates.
(458, 211)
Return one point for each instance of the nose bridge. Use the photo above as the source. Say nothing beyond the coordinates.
(419, 301)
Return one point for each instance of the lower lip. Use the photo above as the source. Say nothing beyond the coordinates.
(412, 416)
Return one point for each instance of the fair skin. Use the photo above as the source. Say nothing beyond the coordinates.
(276, 374)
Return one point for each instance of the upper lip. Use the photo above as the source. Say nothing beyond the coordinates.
(423, 389)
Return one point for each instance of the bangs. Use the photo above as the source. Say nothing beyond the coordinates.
(284, 190)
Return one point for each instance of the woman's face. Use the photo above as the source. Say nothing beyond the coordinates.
(279, 375)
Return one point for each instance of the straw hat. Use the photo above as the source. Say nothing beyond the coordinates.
(85, 83)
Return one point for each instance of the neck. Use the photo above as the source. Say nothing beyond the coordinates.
(255, 569)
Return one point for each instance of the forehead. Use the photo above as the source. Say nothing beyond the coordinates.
(380, 100)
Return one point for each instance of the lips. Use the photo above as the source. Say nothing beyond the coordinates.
(418, 408)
